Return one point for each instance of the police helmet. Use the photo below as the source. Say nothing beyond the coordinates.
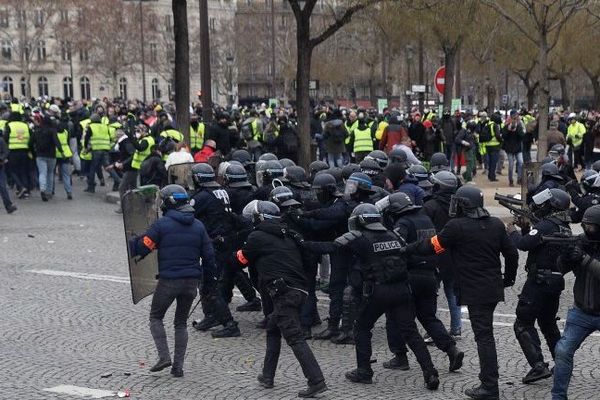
(173, 197)
(283, 197)
(550, 170)
(358, 181)
(398, 156)
(295, 174)
(236, 176)
(596, 166)
(556, 151)
(370, 167)
(366, 216)
(418, 171)
(267, 157)
(468, 202)
(203, 175)
(552, 200)
(591, 222)
(315, 167)
(400, 203)
(242, 156)
(258, 210)
(380, 157)
(336, 172)
(286, 162)
(324, 181)
(444, 182)
(439, 162)
(266, 171)
(349, 169)
(590, 180)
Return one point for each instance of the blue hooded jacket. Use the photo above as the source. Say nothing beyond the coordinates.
(184, 248)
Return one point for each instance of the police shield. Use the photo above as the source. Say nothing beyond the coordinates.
(140, 210)
(181, 174)
(531, 178)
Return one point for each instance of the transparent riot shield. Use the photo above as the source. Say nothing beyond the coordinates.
(181, 174)
(530, 179)
(140, 210)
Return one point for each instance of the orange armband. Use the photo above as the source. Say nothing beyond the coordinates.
(437, 247)
(149, 243)
(241, 258)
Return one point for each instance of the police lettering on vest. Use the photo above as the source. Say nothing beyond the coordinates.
(384, 246)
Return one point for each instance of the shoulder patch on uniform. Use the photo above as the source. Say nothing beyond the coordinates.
(533, 232)
(192, 202)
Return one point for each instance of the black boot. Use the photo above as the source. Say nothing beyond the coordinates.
(482, 393)
(455, 357)
(310, 368)
(252, 305)
(177, 372)
(360, 376)
(313, 390)
(331, 331)
(400, 361)
(160, 365)
(432, 382)
(207, 323)
(344, 337)
(265, 382)
(229, 330)
(538, 372)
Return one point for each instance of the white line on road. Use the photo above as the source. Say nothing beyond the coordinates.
(80, 391)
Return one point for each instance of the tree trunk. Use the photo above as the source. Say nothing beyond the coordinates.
(564, 91)
(420, 52)
(530, 97)
(544, 98)
(596, 86)
(491, 97)
(302, 93)
(457, 83)
(182, 67)
(449, 60)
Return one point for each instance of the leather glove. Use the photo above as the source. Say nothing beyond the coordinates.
(510, 228)
(574, 255)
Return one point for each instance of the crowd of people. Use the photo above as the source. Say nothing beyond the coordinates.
(378, 221)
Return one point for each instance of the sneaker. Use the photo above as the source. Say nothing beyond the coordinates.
(205, 324)
(267, 383)
(160, 365)
(229, 330)
(177, 372)
(313, 390)
(252, 305)
(482, 393)
(102, 182)
(400, 362)
(329, 332)
(455, 358)
(360, 376)
(115, 187)
(11, 209)
(70, 196)
(538, 372)
(44, 196)
(428, 339)
(456, 334)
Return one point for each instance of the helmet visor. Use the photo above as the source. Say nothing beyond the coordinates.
(350, 188)
(383, 204)
(454, 206)
(542, 197)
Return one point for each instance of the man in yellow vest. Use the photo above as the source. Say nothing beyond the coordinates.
(169, 135)
(8, 204)
(63, 160)
(197, 129)
(97, 142)
(361, 138)
(491, 138)
(575, 133)
(18, 137)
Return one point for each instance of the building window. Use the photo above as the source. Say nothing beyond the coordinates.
(212, 24)
(7, 86)
(155, 89)
(64, 16)
(23, 83)
(84, 55)
(123, 88)
(65, 51)
(4, 19)
(38, 18)
(26, 53)
(41, 50)
(21, 19)
(6, 49)
(168, 24)
(153, 52)
(84, 84)
(67, 87)
(43, 86)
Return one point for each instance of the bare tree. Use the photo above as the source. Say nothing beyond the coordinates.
(182, 67)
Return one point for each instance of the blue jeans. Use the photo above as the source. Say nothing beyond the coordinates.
(65, 173)
(455, 311)
(335, 160)
(100, 159)
(578, 327)
(512, 159)
(45, 166)
(492, 156)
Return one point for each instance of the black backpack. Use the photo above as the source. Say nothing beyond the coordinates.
(290, 142)
(338, 134)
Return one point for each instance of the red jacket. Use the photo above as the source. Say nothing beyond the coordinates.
(203, 155)
(392, 135)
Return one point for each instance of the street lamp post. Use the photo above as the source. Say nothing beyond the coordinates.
(230, 62)
(143, 57)
(205, 78)
(273, 94)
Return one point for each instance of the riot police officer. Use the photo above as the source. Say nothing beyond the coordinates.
(295, 178)
(315, 167)
(439, 162)
(384, 289)
(399, 156)
(245, 159)
(540, 296)
(239, 190)
(584, 196)
(407, 220)
(266, 172)
(551, 179)
(372, 168)
(276, 254)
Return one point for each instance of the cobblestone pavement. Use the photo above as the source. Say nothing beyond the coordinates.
(65, 327)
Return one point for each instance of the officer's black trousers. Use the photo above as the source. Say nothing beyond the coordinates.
(284, 320)
(537, 302)
(394, 299)
(424, 291)
(309, 313)
(337, 283)
(482, 319)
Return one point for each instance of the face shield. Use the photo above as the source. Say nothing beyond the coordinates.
(383, 204)
(353, 223)
(250, 209)
(542, 197)
(350, 188)
(455, 203)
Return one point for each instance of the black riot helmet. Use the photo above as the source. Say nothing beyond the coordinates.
(550, 201)
(556, 151)
(283, 197)
(349, 169)
(336, 172)
(286, 162)
(399, 156)
(266, 171)
(420, 174)
(370, 167)
(467, 202)
(590, 180)
(172, 197)
(439, 162)
(596, 166)
(325, 187)
(236, 176)
(444, 182)
(295, 174)
(258, 211)
(366, 217)
(315, 167)
(397, 204)
(242, 156)
(267, 157)
(550, 171)
(358, 183)
(380, 157)
(203, 175)
(591, 223)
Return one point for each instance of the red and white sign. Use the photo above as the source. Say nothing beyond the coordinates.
(439, 81)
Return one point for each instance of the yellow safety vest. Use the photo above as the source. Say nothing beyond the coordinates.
(575, 132)
(63, 138)
(84, 154)
(197, 137)
(362, 140)
(173, 134)
(494, 141)
(100, 139)
(140, 156)
(350, 129)
(380, 128)
(3, 123)
(112, 131)
(17, 108)
(256, 134)
(19, 135)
